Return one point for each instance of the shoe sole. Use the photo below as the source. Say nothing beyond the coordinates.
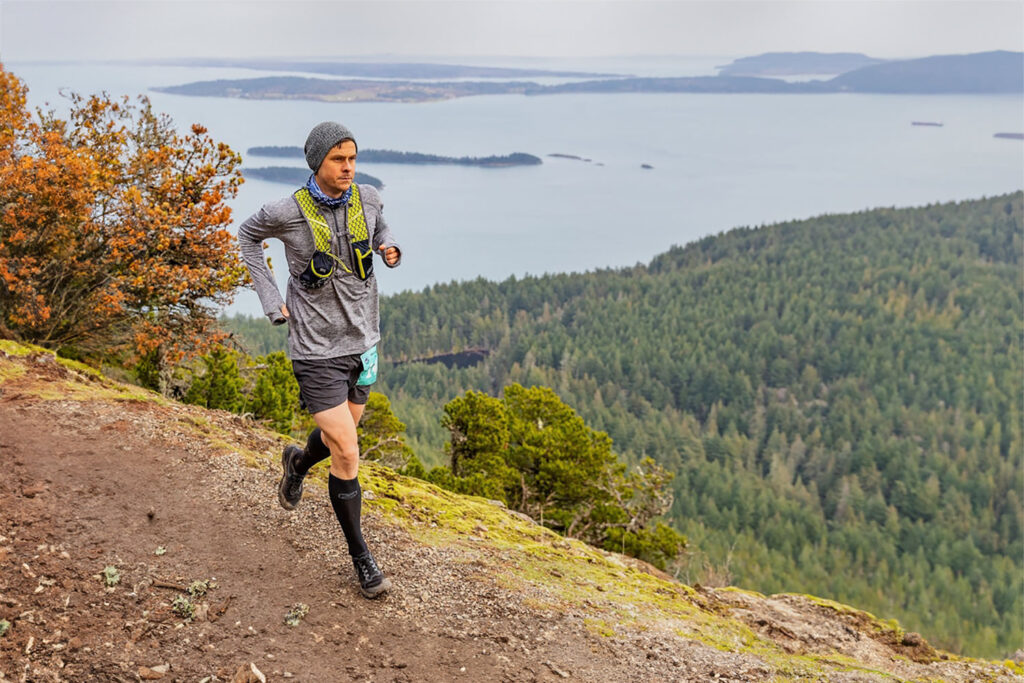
(284, 478)
(377, 591)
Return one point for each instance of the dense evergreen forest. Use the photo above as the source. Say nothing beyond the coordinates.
(839, 399)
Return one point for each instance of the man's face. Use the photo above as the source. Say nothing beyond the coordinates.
(337, 170)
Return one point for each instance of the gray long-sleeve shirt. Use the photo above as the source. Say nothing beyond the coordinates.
(342, 317)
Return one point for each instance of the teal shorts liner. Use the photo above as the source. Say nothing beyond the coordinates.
(329, 382)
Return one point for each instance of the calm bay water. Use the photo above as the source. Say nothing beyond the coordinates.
(720, 161)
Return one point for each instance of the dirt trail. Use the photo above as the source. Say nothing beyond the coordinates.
(152, 488)
(88, 488)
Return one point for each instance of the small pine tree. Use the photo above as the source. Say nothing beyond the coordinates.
(533, 452)
(219, 384)
(479, 430)
(275, 394)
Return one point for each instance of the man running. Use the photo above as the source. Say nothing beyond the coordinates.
(330, 229)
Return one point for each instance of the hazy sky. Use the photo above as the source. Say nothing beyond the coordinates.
(90, 29)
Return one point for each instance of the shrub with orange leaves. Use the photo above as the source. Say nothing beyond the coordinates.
(113, 231)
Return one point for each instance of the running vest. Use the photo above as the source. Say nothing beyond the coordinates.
(321, 265)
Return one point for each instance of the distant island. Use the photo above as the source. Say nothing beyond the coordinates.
(297, 176)
(980, 73)
(346, 90)
(1010, 136)
(797, 63)
(557, 155)
(338, 90)
(387, 156)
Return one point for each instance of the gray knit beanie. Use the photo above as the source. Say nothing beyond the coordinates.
(321, 139)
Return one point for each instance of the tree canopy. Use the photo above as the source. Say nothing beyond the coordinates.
(533, 452)
(839, 399)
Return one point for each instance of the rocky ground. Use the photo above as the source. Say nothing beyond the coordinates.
(203, 568)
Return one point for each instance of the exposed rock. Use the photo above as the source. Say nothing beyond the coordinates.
(152, 673)
(249, 674)
(34, 490)
(912, 639)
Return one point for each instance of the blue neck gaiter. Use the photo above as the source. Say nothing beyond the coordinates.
(321, 198)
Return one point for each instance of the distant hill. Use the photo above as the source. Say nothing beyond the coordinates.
(280, 151)
(984, 72)
(795, 63)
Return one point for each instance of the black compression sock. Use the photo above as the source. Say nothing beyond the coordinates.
(316, 450)
(347, 500)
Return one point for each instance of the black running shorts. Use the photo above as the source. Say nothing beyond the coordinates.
(324, 384)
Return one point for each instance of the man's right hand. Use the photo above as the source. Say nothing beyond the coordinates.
(284, 311)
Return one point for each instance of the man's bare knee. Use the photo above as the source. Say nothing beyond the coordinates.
(340, 435)
(341, 445)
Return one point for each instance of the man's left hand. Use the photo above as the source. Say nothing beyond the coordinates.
(390, 255)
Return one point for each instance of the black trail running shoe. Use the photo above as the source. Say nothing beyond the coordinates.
(289, 491)
(372, 582)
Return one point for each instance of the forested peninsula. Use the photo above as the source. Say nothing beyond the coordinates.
(839, 399)
(987, 72)
(387, 156)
